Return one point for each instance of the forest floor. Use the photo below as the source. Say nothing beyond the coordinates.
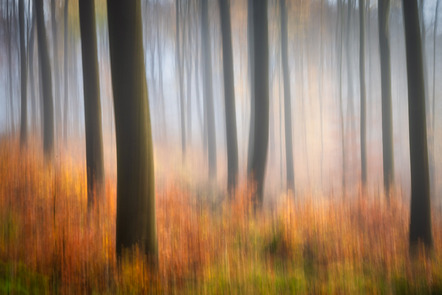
(49, 243)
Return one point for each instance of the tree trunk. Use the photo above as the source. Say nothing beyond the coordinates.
(57, 100)
(229, 95)
(31, 70)
(46, 82)
(287, 99)
(420, 213)
(135, 168)
(261, 86)
(180, 79)
(92, 104)
(387, 117)
(23, 73)
(363, 126)
(250, 47)
(208, 88)
(66, 76)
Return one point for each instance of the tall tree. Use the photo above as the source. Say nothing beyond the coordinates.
(261, 106)
(92, 103)
(31, 45)
(135, 168)
(179, 64)
(57, 100)
(387, 117)
(363, 126)
(23, 75)
(45, 81)
(208, 88)
(66, 78)
(251, 64)
(420, 213)
(287, 98)
(229, 95)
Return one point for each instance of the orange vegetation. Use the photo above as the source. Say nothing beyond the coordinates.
(49, 243)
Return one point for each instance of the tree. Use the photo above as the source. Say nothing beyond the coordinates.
(45, 81)
(23, 75)
(92, 104)
(208, 88)
(261, 105)
(287, 98)
(57, 99)
(387, 117)
(135, 168)
(363, 132)
(66, 79)
(420, 212)
(179, 64)
(229, 95)
(251, 64)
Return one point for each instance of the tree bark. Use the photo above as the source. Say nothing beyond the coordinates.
(208, 88)
(135, 168)
(92, 103)
(23, 76)
(387, 117)
(45, 82)
(229, 95)
(363, 126)
(287, 99)
(420, 213)
(261, 86)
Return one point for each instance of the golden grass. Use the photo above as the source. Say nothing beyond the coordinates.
(49, 243)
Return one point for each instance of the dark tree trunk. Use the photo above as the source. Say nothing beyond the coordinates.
(287, 99)
(135, 168)
(31, 69)
(92, 104)
(250, 49)
(9, 33)
(387, 117)
(57, 99)
(23, 74)
(261, 86)
(363, 126)
(229, 95)
(420, 213)
(66, 78)
(46, 82)
(208, 88)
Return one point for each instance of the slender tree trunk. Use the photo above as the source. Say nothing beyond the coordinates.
(11, 94)
(208, 88)
(135, 168)
(66, 75)
(287, 99)
(57, 99)
(229, 93)
(261, 86)
(341, 104)
(321, 92)
(420, 213)
(160, 80)
(92, 103)
(46, 82)
(23, 73)
(31, 52)
(387, 117)
(251, 57)
(363, 126)
(180, 79)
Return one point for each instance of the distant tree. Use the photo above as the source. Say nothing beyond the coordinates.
(136, 223)
(229, 95)
(23, 74)
(179, 64)
(92, 103)
(45, 81)
(251, 64)
(66, 78)
(31, 51)
(261, 89)
(208, 88)
(287, 98)
(420, 213)
(363, 125)
(387, 116)
(57, 98)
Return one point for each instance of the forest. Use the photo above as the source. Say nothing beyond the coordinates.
(220, 147)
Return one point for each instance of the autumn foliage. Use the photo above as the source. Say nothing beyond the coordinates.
(49, 243)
